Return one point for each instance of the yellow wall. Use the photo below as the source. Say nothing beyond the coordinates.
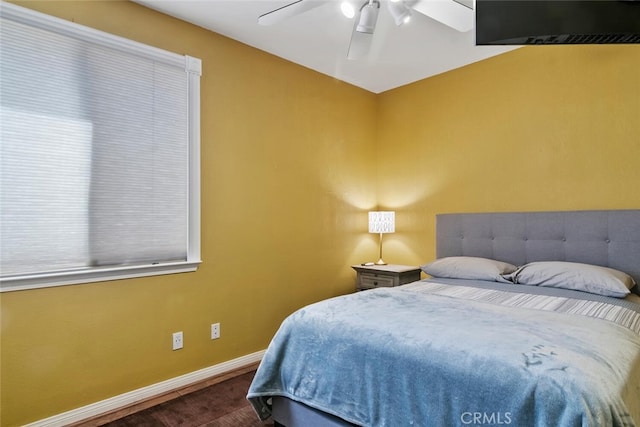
(291, 162)
(287, 178)
(538, 128)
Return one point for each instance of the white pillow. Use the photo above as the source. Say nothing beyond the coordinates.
(572, 275)
(464, 267)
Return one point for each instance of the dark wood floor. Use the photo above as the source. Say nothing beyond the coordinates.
(220, 405)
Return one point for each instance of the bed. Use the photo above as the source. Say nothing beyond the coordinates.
(524, 319)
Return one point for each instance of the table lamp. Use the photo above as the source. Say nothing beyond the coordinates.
(382, 222)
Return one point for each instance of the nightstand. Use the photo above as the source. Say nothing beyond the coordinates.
(378, 276)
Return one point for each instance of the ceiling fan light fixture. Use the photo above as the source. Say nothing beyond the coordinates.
(368, 17)
(399, 11)
(348, 10)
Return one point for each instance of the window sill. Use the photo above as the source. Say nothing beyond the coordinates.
(48, 280)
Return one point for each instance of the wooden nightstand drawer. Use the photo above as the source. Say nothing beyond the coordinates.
(385, 276)
(368, 280)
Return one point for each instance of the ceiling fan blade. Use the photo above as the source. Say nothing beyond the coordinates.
(359, 45)
(289, 10)
(449, 12)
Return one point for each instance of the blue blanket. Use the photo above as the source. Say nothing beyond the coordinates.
(405, 357)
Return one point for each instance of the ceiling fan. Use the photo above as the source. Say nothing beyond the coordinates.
(457, 14)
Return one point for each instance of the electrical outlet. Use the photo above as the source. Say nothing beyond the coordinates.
(177, 340)
(215, 331)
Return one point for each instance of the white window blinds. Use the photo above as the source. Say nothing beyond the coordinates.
(99, 152)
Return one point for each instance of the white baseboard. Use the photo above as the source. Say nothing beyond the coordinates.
(141, 394)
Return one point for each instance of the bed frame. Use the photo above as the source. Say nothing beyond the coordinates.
(606, 238)
(609, 238)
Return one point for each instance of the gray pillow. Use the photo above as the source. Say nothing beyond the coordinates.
(572, 275)
(464, 267)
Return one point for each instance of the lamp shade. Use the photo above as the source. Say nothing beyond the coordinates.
(368, 17)
(399, 11)
(382, 222)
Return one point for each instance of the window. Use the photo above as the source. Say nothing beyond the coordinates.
(99, 160)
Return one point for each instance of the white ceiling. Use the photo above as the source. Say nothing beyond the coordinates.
(319, 39)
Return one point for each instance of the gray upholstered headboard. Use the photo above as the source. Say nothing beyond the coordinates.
(607, 238)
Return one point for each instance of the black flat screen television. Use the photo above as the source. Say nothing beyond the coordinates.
(524, 22)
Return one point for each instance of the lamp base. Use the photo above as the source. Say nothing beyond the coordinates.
(380, 262)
